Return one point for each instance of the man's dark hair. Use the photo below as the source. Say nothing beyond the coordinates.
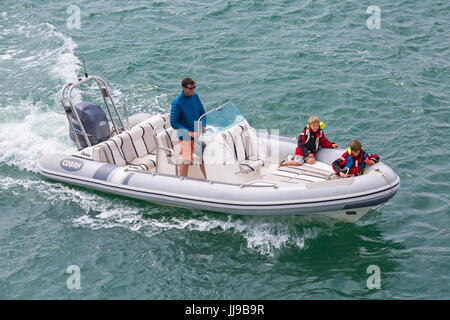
(187, 81)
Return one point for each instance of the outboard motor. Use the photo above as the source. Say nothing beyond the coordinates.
(94, 121)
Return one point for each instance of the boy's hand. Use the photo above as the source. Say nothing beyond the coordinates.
(369, 162)
(342, 174)
(334, 145)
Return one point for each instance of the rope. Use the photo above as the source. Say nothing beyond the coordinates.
(387, 180)
(392, 192)
(374, 210)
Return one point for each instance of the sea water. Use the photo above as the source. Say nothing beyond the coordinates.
(375, 71)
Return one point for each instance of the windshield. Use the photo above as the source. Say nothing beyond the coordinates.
(223, 118)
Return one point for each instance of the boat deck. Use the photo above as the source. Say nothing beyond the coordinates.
(304, 173)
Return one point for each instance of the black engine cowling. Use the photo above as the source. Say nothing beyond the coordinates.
(94, 121)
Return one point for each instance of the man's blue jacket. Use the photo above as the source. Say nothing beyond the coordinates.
(185, 112)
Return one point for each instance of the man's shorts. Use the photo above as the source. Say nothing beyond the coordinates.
(187, 150)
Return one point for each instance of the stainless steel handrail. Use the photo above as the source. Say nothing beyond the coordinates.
(70, 109)
(66, 92)
(199, 125)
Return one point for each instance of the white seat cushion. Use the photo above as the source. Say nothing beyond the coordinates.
(114, 153)
(143, 139)
(133, 147)
(148, 161)
(243, 144)
(248, 166)
(168, 138)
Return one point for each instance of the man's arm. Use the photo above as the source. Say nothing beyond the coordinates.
(175, 113)
(202, 112)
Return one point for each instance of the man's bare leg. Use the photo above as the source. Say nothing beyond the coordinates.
(184, 169)
(186, 149)
(202, 167)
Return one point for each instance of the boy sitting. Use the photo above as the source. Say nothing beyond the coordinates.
(309, 141)
(354, 161)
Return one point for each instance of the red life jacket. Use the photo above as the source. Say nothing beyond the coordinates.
(310, 141)
(356, 165)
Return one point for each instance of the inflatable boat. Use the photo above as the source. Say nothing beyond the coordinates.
(139, 157)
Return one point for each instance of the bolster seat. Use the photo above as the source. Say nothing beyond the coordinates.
(168, 140)
(135, 147)
(244, 145)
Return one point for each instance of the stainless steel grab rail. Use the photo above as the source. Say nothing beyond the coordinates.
(66, 92)
(199, 121)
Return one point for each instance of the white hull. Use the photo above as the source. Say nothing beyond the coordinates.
(342, 199)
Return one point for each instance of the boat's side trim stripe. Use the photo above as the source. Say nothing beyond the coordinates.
(104, 171)
(368, 203)
(127, 178)
(360, 204)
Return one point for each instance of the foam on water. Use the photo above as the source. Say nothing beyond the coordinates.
(5, 56)
(264, 237)
(67, 64)
(26, 140)
(261, 235)
(31, 129)
(61, 59)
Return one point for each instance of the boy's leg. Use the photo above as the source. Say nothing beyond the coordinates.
(289, 163)
(298, 160)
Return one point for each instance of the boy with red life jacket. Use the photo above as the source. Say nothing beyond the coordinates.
(309, 141)
(354, 161)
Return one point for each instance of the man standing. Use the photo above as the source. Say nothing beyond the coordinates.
(185, 112)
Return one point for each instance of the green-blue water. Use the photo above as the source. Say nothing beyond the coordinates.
(281, 62)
